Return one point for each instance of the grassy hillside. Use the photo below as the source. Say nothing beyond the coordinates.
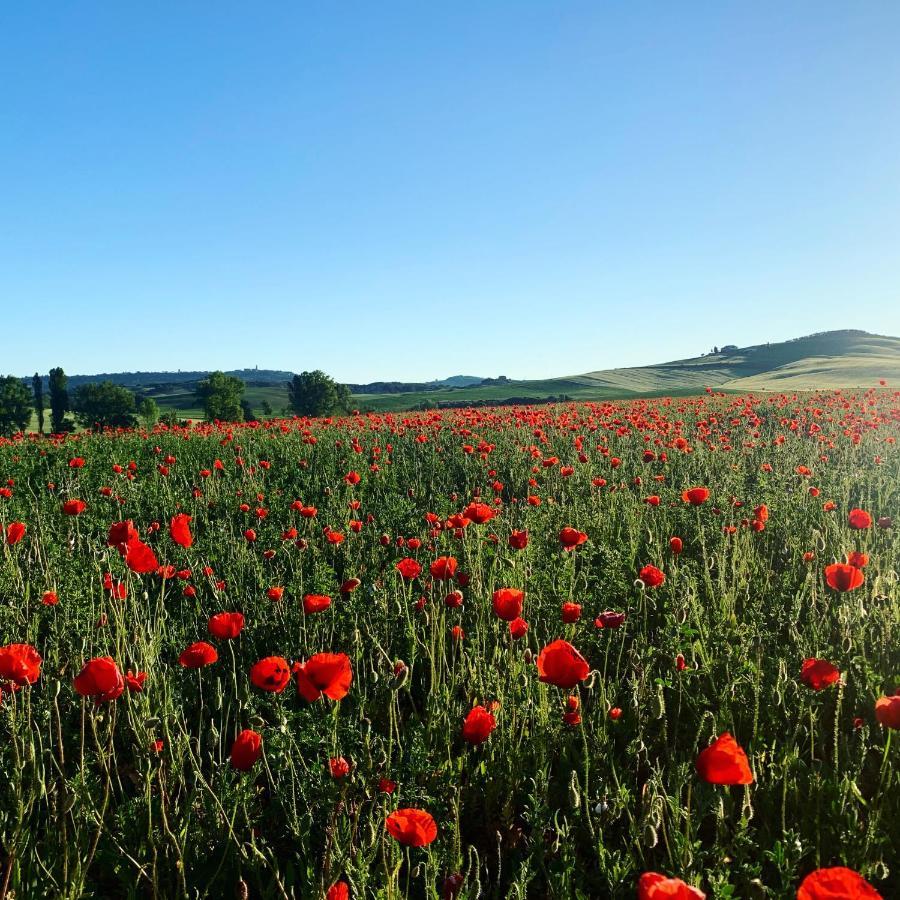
(823, 361)
(832, 359)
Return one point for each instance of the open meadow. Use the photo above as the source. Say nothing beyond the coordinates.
(497, 652)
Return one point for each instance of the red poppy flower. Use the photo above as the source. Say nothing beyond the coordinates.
(226, 625)
(518, 628)
(338, 891)
(676, 545)
(696, 496)
(724, 762)
(508, 603)
(653, 886)
(275, 593)
(518, 540)
(324, 673)
(561, 664)
(571, 537)
(271, 674)
(198, 655)
(386, 786)
(313, 603)
(246, 750)
(610, 619)
(408, 568)
(858, 559)
(651, 576)
(413, 827)
(180, 531)
(443, 567)
(571, 612)
(478, 725)
(135, 681)
(15, 531)
(859, 519)
(20, 664)
(887, 711)
(837, 883)
(99, 678)
(140, 558)
(841, 577)
(121, 534)
(49, 598)
(350, 585)
(819, 673)
(479, 513)
(74, 507)
(338, 766)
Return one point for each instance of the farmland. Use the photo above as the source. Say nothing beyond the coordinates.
(528, 624)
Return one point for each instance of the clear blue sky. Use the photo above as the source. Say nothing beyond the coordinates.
(412, 190)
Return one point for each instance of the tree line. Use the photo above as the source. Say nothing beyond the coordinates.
(104, 404)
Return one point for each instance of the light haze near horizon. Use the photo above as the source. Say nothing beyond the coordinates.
(405, 191)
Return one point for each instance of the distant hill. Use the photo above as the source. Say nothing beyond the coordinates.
(408, 387)
(151, 379)
(831, 359)
(826, 360)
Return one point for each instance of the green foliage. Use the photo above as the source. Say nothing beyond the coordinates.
(220, 395)
(59, 400)
(15, 405)
(148, 411)
(103, 404)
(37, 388)
(317, 394)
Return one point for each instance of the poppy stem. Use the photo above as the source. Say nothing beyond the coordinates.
(687, 827)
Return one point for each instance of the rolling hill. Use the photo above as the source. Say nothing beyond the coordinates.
(832, 359)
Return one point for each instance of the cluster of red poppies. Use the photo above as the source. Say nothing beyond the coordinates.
(426, 572)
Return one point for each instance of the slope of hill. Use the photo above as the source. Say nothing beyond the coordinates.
(827, 360)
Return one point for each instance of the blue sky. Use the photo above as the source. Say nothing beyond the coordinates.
(411, 190)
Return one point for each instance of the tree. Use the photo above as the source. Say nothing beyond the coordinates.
(148, 410)
(59, 400)
(221, 396)
(105, 404)
(15, 405)
(316, 394)
(37, 387)
(247, 410)
(266, 408)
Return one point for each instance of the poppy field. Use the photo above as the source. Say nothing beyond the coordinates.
(643, 649)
